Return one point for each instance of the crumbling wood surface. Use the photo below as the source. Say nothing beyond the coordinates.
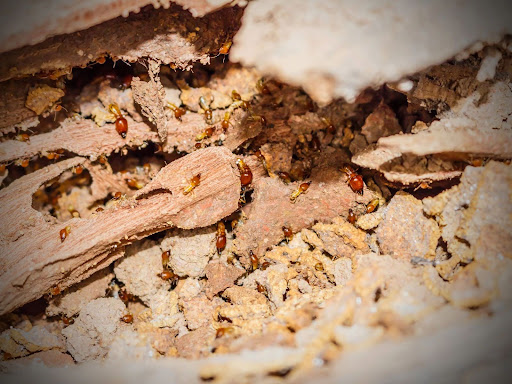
(35, 260)
(298, 26)
(471, 127)
(327, 197)
(167, 35)
(12, 104)
(36, 21)
(456, 138)
(81, 137)
(457, 352)
(478, 126)
(150, 96)
(85, 138)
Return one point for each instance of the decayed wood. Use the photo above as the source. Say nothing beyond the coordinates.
(150, 96)
(470, 130)
(36, 21)
(327, 197)
(169, 35)
(454, 136)
(33, 258)
(82, 137)
(379, 157)
(85, 138)
(12, 104)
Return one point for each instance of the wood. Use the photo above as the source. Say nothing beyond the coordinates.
(33, 259)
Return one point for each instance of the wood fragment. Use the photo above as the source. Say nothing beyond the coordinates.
(81, 137)
(150, 96)
(162, 34)
(34, 259)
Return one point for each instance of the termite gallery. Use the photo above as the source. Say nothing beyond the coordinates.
(221, 237)
(121, 123)
(64, 232)
(301, 189)
(194, 182)
(354, 179)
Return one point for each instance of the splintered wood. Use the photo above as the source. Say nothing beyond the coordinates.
(39, 260)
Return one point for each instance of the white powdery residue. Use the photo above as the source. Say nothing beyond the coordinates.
(405, 85)
(488, 67)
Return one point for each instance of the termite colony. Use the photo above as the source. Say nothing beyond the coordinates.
(285, 154)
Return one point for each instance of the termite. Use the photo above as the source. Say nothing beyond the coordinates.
(165, 258)
(351, 217)
(258, 118)
(194, 182)
(355, 180)
(23, 137)
(288, 234)
(121, 122)
(254, 261)
(261, 87)
(64, 233)
(224, 49)
(301, 189)
(330, 128)
(208, 132)
(372, 205)
(134, 183)
(178, 111)
(245, 173)
(208, 113)
(166, 275)
(221, 237)
(225, 121)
